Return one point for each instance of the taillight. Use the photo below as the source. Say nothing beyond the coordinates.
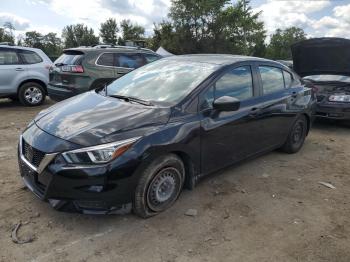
(77, 69)
(73, 68)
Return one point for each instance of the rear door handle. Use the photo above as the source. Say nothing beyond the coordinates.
(19, 69)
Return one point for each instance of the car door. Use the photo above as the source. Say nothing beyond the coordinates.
(227, 137)
(12, 71)
(273, 109)
(106, 69)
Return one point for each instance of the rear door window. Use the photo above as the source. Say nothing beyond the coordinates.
(130, 60)
(272, 79)
(9, 57)
(106, 59)
(30, 57)
(236, 82)
(288, 79)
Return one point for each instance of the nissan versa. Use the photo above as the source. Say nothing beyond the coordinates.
(138, 141)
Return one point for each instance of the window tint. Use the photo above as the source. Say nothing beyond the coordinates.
(30, 57)
(106, 59)
(272, 79)
(287, 79)
(130, 60)
(70, 58)
(8, 57)
(151, 58)
(236, 83)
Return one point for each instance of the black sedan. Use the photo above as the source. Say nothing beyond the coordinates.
(140, 140)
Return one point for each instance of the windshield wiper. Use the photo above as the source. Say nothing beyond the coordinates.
(132, 99)
(60, 64)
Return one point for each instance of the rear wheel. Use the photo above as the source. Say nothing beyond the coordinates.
(296, 136)
(159, 186)
(31, 94)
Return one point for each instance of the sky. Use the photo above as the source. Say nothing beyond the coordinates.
(317, 17)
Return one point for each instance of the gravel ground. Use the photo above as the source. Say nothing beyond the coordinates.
(271, 208)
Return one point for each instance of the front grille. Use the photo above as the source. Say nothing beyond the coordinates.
(34, 156)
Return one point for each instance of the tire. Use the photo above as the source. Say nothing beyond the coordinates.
(296, 136)
(31, 94)
(159, 186)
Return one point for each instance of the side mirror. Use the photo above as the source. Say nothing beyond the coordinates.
(226, 103)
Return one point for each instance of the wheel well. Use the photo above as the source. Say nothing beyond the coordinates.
(308, 120)
(189, 169)
(35, 81)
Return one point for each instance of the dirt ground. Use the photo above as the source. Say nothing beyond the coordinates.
(268, 209)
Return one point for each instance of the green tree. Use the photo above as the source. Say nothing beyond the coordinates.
(108, 31)
(52, 45)
(131, 31)
(281, 41)
(33, 39)
(206, 26)
(7, 33)
(78, 35)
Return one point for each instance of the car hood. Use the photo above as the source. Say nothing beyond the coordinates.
(319, 56)
(91, 119)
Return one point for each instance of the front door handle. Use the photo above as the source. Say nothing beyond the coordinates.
(254, 112)
(19, 69)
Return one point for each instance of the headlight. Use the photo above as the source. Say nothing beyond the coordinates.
(339, 98)
(99, 154)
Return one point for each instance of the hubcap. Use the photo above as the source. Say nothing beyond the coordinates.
(163, 189)
(33, 95)
(298, 133)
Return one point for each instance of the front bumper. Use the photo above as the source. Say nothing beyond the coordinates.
(331, 110)
(61, 92)
(99, 189)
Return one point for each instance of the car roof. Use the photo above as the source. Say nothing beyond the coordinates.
(110, 49)
(20, 47)
(217, 59)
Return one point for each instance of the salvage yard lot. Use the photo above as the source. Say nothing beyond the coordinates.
(271, 208)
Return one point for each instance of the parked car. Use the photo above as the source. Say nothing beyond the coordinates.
(159, 128)
(24, 74)
(324, 63)
(82, 69)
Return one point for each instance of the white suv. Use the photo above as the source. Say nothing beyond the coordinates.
(24, 74)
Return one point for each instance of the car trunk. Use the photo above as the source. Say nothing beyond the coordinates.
(67, 68)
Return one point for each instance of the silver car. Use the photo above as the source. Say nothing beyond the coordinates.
(24, 74)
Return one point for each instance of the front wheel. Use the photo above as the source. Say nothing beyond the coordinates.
(296, 136)
(159, 186)
(31, 94)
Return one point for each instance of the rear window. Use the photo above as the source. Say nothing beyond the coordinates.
(70, 58)
(30, 57)
(8, 57)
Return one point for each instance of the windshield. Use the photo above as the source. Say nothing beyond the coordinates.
(166, 80)
(328, 78)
